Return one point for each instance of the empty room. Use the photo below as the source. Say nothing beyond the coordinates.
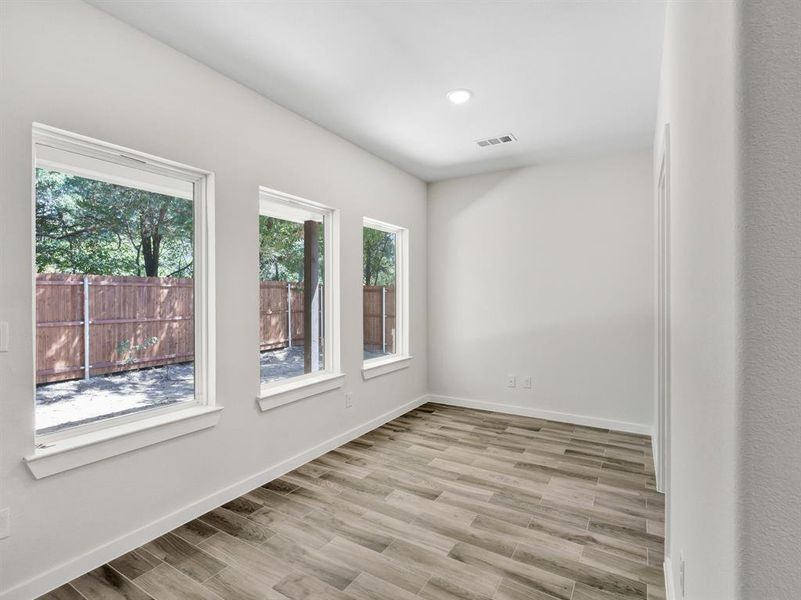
(400, 300)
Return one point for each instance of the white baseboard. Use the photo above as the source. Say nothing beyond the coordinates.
(670, 590)
(539, 413)
(41, 584)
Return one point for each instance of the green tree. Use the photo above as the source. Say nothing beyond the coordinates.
(379, 257)
(89, 226)
(281, 250)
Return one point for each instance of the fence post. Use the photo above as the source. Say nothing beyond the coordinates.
(289, 311)
(86, 365)
(383, 320)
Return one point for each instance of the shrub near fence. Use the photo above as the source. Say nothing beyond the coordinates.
(135, 309)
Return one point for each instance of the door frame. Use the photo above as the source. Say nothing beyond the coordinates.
(663, 327)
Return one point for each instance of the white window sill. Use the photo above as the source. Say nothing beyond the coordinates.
(375, 367)
(83, 449)
(277, 394)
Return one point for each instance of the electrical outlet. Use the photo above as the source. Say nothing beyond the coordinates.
(526, 382)
(348, 399)
(4, 333)
(4, 523)
(511, 381)
(682, 574)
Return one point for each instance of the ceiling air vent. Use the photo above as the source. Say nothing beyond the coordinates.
(497, 140)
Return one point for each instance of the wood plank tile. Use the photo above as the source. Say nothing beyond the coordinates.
(355, 528)
(280, 486)
(460, 532)
(367, 587)
(480, 507)
(377, 565)
(135, 563)
(233, 583)
(509, 590)
(423, 560)
(106, 583)
(194, 531)
(322, 565)
(522, 573)
(616, 564)
(574, 570)
(236, 525)
(230, 550)
(440, 587)
(167, 583)
(524, 535)
(442, 503)
(185, 557)
(298, 586)
(64, 592)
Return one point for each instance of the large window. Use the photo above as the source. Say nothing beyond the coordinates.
(121, 284)
(296, 289)
(384, 289)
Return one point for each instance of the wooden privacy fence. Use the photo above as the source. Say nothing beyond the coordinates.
(282, 311)
(90, 325)
(379, 318)
(85, 322)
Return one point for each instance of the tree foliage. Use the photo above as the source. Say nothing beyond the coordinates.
(89, 226)
(281, 250)
(379, 257)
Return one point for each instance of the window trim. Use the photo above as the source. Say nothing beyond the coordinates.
(385, 364)
(90, 447)
(298, 388)
(49, 444)
(281, 205)
(373, 367)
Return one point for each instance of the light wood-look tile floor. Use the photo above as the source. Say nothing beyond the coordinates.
(441, 503)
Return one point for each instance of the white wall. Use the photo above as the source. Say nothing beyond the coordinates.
(71, 66)
(697, 100)
(769, 93)
(546, 271)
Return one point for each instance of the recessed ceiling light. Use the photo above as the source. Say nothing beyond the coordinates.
(459, 96)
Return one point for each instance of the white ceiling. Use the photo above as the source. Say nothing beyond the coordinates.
(569, 79)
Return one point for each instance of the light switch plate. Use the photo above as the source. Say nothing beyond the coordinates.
(348, 399)
(526, 382)
(4, 334)
(511, 381)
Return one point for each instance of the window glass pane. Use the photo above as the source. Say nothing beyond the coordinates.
(291, 267)
(378, 279)
(114, 291)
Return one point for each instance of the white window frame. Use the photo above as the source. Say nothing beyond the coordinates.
(281, 205)
(84, 444)
(401, 359)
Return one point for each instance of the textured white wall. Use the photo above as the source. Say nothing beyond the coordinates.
(546, 271)
(71, 66)
(770, 450)
(697, 100)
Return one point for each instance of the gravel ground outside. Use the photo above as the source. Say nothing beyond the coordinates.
(69, 403)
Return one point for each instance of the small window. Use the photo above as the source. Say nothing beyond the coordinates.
(384, 291)
(121, 284)
(296, 289)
